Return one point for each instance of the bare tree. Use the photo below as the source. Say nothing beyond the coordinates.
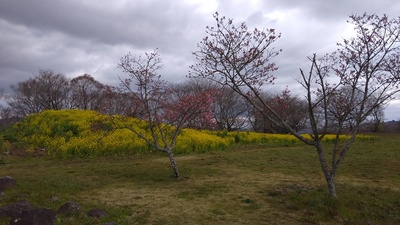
(339, 106)
(230, 109)
(367, 67)
(1, 100)
(47, 90)
(375, 121)
(367, 64)
(118, 102)
(164, 112)
(291, 109)
(86, 93)
(7, 117)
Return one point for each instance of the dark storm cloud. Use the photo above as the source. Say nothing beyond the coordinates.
(75, 37)
(140, 23)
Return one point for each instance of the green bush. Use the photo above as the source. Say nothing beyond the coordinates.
(5, 145)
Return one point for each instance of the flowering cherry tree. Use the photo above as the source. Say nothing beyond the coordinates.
(366, 67)
(164, 112)
(236, 57)
(242, 60)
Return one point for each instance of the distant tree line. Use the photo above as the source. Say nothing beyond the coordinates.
(48, 90)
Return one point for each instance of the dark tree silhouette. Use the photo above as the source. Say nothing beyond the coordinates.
(47, 90)
(87, 93)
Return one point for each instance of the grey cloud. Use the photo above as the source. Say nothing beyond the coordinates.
(75, 37)
(61, 35)
(139, 23)
(336, 9)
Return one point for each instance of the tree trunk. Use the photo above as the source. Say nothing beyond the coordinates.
(328, 173)
(173, 163)
(330, 181)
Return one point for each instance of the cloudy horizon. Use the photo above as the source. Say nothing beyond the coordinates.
(76, 37)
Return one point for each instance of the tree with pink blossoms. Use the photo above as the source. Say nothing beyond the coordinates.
(342, 89)
(163, 111)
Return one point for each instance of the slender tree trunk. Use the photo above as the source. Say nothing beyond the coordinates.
(330, 181)
(173, 163)
(328, 173)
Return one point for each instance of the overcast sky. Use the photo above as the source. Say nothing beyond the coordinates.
(75, 37)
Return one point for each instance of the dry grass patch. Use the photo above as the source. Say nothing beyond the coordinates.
(372, 183)
(230, 196)
(245, 185)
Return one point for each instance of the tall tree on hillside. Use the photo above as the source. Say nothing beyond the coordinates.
(368, 64)
(87, 93)
(164, 112)
(46, 90)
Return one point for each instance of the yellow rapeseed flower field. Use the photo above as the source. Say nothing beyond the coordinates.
(67, 133)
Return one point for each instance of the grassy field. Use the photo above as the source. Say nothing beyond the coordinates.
(250, 184)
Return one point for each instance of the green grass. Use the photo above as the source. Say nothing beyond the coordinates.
(251, 184)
